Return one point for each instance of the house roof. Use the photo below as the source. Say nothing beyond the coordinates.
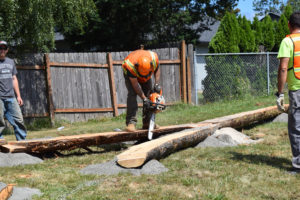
(207, 35)
(274, 16)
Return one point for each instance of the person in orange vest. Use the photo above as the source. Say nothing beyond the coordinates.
(138, 68)
(289, 71)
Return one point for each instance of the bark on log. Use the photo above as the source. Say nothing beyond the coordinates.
(6, 192)
(136, 156)
(243, 119)
(81, 141)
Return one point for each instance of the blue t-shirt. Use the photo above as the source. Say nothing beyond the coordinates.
(7, 71)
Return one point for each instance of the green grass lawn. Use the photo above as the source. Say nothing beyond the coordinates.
(244, 172)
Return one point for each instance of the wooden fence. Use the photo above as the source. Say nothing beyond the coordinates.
(82, 86)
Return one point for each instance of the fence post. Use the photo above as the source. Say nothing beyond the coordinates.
(183, 70)
(112, 86)
(49, 90)
(196, 79)
(268, 71)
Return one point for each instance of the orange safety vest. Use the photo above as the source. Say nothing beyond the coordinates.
(296, 54)
(132, 59)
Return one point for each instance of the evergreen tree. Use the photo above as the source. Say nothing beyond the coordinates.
(268, 33)
(247, 38)
(257, 29)
(288, 10)
(281, 30)
(227, 37)
(30, 24)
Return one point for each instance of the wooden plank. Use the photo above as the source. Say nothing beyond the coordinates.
(49, 90)
(32, 67)
(36, 115)
(183, 71)
(79, 141)
(82, 110)
(136, 156)
(82, 65)
(189, 81)
(112, 85)
(69, 101)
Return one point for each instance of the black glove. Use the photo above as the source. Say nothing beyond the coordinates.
(146, 103)
(157, 88)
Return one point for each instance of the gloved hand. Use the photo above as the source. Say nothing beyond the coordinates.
(279, 102)
(146, 103)
(157, 88)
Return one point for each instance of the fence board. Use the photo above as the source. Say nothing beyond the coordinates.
(85, 88)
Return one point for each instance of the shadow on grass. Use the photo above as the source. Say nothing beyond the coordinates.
(281, 163)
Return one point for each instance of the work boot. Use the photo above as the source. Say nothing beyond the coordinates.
(146, 126)
(293, 171)
(131, 127)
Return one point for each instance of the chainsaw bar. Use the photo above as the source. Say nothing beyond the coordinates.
(151, 126)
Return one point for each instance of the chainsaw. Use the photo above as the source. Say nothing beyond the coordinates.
(157, 104)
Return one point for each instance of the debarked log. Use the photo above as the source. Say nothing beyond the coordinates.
(136, 156)
(6, 192)
(84, 140)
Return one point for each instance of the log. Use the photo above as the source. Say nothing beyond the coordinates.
(243, 119)
(6, 192)
(81, 141)
(136, 156)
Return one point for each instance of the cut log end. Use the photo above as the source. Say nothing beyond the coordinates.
(6, 192)
(131, 163)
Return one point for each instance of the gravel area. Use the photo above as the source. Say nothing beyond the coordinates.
(15, 159)
(111, 168)
(22, 193)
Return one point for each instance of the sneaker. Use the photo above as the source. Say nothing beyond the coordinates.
(146, 126)
(131, 127)
(293, 171)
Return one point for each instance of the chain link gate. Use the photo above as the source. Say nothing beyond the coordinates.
(234, 75)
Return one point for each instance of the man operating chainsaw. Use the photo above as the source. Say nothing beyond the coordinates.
(138, 67)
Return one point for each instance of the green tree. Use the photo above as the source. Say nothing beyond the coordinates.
(247, 38)
(124, 25)
(263, 7)
(268, 33)
(227, 37)
(29, 25)
(257, 28)
(281, 27)
(295, 5)
(288, 10)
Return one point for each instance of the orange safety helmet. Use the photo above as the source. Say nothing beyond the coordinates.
(144, 66)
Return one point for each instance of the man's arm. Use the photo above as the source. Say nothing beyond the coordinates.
(17, 90)
(282, 73)
(137, 88)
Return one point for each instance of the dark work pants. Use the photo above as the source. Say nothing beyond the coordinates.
(294, 126)
(132, 106)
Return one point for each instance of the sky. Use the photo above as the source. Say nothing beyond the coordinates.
(246, 9)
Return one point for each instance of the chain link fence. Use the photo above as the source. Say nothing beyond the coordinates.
(227, 76)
